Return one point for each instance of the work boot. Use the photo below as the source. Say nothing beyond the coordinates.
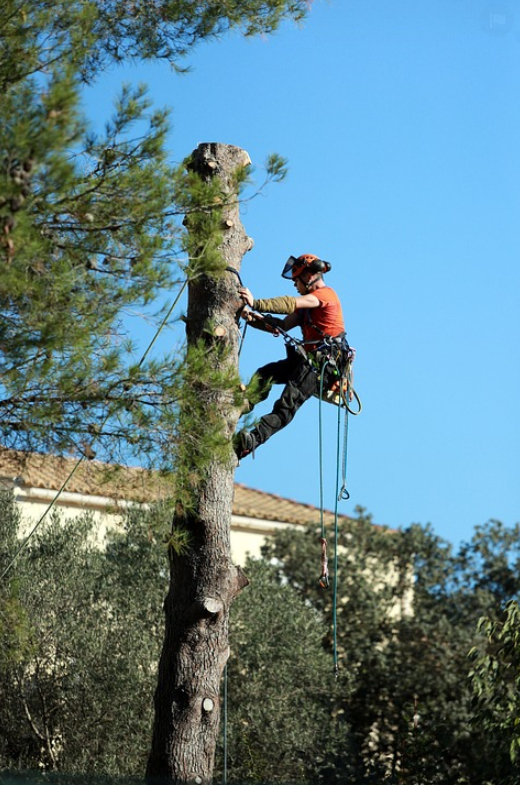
(244, 443)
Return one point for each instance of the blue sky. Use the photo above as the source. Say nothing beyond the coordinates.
(400, 122)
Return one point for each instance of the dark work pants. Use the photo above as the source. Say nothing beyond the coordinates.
(301, 382)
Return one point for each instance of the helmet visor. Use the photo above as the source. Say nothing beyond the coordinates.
(289, 266)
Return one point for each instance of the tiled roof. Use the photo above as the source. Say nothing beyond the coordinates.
(94, 478)
(29, 469)
(268, 506)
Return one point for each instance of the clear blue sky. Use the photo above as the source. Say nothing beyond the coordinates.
(401, 125)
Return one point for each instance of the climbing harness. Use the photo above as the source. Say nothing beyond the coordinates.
(332, 352)
(336, 355)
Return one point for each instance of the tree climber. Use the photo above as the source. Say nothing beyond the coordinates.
(317, 310)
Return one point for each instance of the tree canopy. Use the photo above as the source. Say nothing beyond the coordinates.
(84, 626)
(427, 696)
(93, 34)
(90, 223)
(408, 611)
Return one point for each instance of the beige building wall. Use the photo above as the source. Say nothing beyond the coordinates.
(248, 534)
(106, 492)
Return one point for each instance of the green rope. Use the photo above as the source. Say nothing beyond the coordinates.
(338, 462)
(341, 493)
(336, 532)
(164, 322)
(320, 443)
(80, 460)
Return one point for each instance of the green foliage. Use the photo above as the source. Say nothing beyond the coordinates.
(15, 631)
(90, 229)
(201, 439)
(93, 34)
(76, 694)
(80, 632)
(202, 200)
(79, 698)
(281, 689)
(178, 540)
(491, 564)
(85, 237)
(276, 167)
(407, 615)
(34, 37)
(496, 683)
(170, 30)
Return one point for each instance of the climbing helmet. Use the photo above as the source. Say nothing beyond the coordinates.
(296, 265)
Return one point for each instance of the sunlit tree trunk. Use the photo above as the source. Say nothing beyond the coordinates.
(203, 580)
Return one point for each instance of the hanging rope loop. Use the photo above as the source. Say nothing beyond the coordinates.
(344, 495)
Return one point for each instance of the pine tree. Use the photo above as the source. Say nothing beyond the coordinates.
(203, 580)
(85, 236)
(90, 224)
(90, 228)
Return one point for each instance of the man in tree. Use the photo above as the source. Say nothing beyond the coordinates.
(317, 310)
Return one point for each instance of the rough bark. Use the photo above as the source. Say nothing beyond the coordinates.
(203, 580)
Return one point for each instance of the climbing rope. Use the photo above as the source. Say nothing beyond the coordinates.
(238, 314)
(323, 581)
(42, 517)
(80, 460)
(341, 493)
(336, 532)
(242, 339)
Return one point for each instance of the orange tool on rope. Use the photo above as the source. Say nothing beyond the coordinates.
(324, 577)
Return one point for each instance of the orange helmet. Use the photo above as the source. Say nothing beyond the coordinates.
(296, 265)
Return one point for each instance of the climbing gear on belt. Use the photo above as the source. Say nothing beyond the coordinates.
(337, 356)
(334, 352)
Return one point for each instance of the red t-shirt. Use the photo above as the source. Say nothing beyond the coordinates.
(326, 319)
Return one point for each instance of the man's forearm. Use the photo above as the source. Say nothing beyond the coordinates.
(284, 304)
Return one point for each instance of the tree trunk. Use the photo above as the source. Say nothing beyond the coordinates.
(203, 580)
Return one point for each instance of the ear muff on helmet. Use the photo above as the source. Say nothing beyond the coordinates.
(296, 265)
